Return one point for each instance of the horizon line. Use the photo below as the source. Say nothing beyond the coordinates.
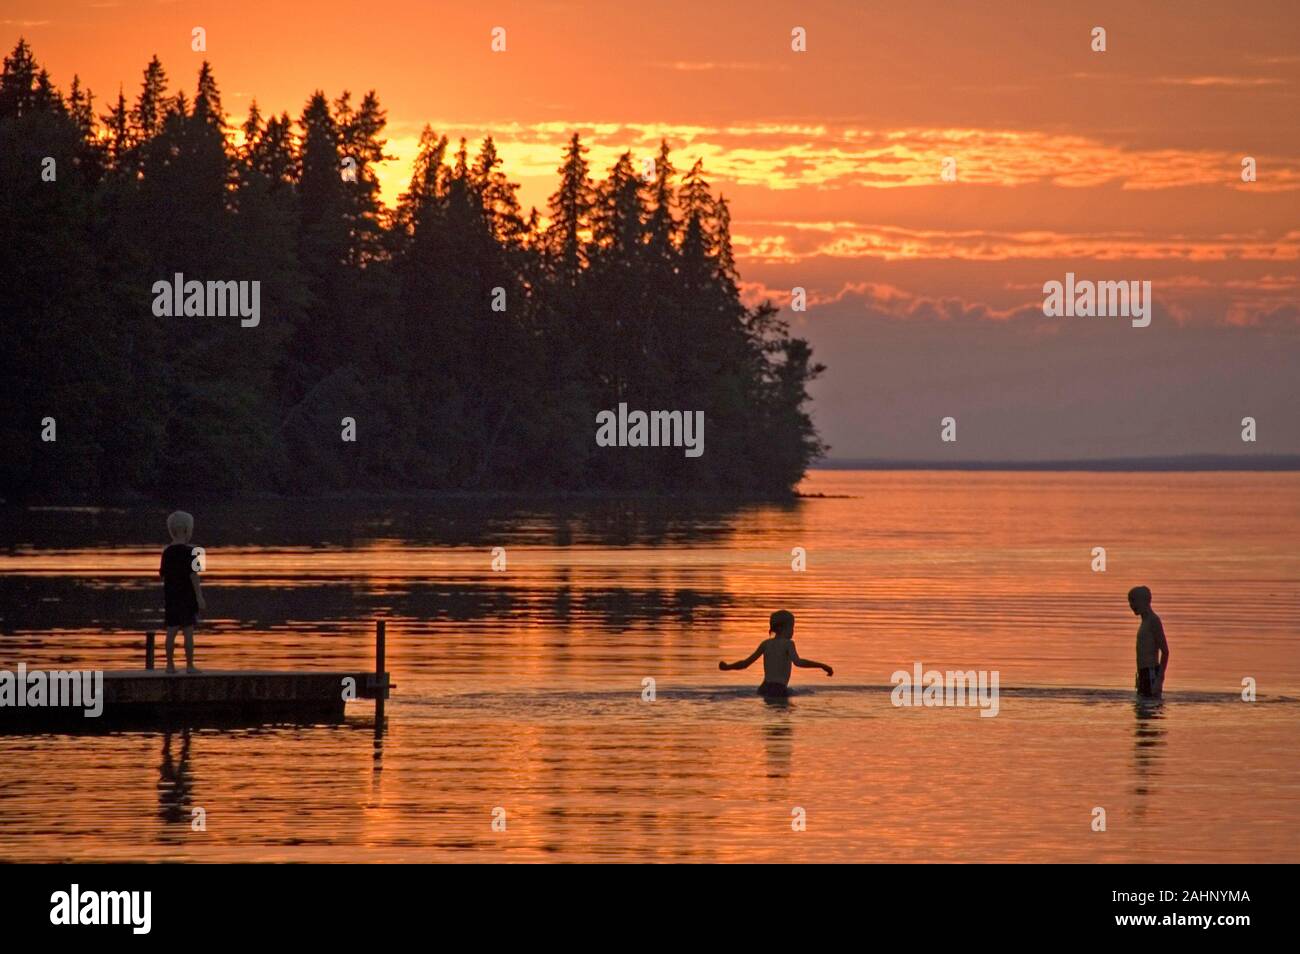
(1166, 463)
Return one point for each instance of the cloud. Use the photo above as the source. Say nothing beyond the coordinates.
(1228, 81)
(792, 241)
(1178, 300)
(828, 156)
(684, 66)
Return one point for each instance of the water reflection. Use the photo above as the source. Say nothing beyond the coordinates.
(175, 786)
(778, 739)
(1148, 741)
(519, 688)
(443, 522)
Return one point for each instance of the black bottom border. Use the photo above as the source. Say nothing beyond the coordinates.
(378, 904)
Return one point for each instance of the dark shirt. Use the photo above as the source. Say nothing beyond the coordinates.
(178, 592)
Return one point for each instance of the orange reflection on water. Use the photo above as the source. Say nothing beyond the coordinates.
(522, 690)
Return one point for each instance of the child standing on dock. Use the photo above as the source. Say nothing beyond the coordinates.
(182, 596)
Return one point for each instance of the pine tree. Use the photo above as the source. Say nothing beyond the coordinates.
(619, 216)
(81, 108)
(18, 81)
(117, 123)
(498, 196)
(90, 151)
(151, 105)
(427, 185)
(207, 100)
(360, 139)
(662, 225)
(726, 257)
(571, 207)
(269, 149)
(698, 213)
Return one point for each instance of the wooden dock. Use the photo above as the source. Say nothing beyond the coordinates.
(152, 697)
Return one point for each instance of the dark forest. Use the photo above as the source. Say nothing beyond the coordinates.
(473, 343)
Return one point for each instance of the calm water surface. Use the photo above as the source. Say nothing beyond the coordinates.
(522, 690)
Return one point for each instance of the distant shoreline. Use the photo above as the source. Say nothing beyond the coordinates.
(1189, 463)
(1198, 463)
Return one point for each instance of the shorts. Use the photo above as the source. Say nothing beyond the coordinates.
(774, 690)
(180, 617)
(1148, 682)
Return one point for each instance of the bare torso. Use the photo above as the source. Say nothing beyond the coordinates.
(777, 656)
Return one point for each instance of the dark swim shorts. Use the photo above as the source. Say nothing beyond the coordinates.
(1148, 682)
(774, 690)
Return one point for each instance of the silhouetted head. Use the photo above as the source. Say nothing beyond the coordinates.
(782, 623)
(1139, 599)
(181, 527)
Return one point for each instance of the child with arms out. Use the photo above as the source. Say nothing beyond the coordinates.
(779, 654)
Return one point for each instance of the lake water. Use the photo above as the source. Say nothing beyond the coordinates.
(522, 691)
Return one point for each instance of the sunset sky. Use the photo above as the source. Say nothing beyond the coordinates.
(924, 296)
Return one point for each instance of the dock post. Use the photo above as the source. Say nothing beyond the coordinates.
(380, 648)
(148, 649)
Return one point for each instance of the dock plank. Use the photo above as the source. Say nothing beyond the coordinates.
(218, 696)
(153, 697)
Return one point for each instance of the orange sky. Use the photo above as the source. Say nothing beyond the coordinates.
(1116, 165)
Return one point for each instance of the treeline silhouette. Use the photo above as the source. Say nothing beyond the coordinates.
(628, 293)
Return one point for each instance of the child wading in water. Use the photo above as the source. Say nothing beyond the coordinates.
(182, 596)
(779, 655)
(1152, 649)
